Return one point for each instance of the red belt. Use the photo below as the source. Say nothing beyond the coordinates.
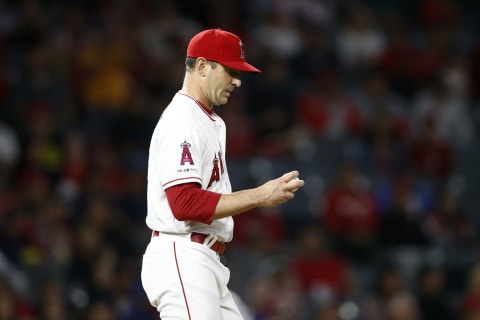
(218, 246)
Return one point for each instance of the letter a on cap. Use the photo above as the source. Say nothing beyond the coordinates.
(242, 53)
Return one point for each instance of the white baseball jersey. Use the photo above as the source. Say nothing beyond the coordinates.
(188, 145)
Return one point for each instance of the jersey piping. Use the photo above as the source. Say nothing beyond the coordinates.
(207, 111)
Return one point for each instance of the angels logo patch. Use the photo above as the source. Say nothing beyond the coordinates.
(186, 155)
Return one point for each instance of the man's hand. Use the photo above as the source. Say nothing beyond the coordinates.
(270, 194)
(280, 190)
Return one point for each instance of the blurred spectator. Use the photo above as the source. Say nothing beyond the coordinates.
(87, 243)
(242, 135)
(263, 227)
(100, 311)
(9, 154)
(350, 215)
(325, 108)
(19, 239)
(327, 312)
(390, 298)
(444, 112)
(163, 32)
(430, 292)
(270, 106)
(438, 14)
(473, 72)
(455, 76)
(52, 301)
(402, 223)
(402, 307)
(450, 226)
(396, 59)
(322, 272)
(103, 275)
(103, 217)
(429, 56)
(75, 168)
(275, 293)
(278, 33)
(386, 127)
(309, 11)
(42, 150)
(430, 154)
(470, 300)
(361, 42)
(259, 234)
(384, 146)
(107, 176)
(319, 53)
(375, 95)
(132, 201)
(39, 90)
(12, 305)
(104, 61)
(53, 233)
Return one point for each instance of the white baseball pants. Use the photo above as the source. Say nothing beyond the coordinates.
(185, 280)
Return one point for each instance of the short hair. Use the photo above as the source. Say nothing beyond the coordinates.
(190, 63)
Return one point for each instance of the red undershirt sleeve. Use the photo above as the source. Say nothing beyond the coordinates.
(189, 202)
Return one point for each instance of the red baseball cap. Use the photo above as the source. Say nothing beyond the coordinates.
(221, 46)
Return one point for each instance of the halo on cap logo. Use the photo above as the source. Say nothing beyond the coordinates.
(242, 53)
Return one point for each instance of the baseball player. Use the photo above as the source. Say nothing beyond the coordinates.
(190, 201)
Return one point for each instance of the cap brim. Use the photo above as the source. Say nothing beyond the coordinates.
(240, 65)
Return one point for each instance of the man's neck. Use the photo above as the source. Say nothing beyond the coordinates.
(192, 89)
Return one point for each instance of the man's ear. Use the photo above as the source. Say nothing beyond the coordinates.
(201, 65)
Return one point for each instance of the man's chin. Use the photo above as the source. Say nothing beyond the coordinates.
(222, 101)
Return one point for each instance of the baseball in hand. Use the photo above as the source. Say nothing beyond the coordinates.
(294, 189)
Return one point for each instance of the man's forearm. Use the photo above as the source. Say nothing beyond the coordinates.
(270, 194)
(237, 202)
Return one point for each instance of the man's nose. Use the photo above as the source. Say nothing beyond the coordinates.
(236, 82)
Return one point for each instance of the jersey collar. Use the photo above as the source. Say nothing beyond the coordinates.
(207, 110)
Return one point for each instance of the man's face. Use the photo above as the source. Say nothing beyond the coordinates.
(220, 82)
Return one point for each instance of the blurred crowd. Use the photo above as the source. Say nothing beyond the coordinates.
(374, 102)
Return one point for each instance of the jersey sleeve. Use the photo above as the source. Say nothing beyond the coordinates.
(190, 203)
(176, 153)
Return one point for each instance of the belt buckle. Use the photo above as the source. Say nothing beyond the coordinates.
(210, 240)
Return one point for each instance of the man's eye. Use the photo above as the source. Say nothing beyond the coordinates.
(233, 73)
